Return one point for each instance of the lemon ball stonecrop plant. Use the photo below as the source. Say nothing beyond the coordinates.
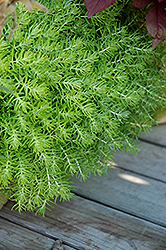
(78, 89)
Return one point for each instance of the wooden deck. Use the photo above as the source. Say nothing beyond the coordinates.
(124, 210)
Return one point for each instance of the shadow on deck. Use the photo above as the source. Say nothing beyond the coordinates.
(123, 210)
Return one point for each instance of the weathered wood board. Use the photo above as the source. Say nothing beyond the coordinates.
(124, 210)
(129, 192)
(87, 225)
(149, 161)
(157, 135)
(61, 246)
(64, 247)
(14, 237)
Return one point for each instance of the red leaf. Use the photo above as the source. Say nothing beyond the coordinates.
(155, 42)
(94, 6)
(142, 3)
(156, 22)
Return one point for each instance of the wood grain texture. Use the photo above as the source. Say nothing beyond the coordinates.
(149, 161)
(65, 247)
(124, 210)
(87, 225)
(14, 237)
(157, 135)
(129, 192)
(58, 245)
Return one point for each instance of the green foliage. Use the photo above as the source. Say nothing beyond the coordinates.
(80, 87)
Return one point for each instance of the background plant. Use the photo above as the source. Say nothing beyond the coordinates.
(82, 89)
(155, 18)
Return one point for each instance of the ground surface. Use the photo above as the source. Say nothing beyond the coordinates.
(124, 210)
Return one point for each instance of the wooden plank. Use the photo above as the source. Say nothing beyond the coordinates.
(64, 247)
(129, 192)
(14, 237)
(149, 161)
(157, 135)
(86, 225)
(60, 246)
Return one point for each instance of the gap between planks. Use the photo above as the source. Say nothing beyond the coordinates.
(150, 161)
(156, 136)
(80, 218)
(86, 225)
(131, 193)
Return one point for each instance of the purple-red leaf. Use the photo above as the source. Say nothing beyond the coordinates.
(94, 6)
(142, 3)
(155, 42)
(156, 22)
(155, 19)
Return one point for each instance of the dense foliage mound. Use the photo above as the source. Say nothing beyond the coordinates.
(81, 89)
